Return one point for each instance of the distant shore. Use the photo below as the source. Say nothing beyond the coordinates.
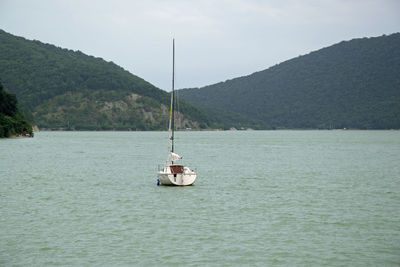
(211, 130)
(20, 136)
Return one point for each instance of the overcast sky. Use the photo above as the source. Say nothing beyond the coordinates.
(216, 40)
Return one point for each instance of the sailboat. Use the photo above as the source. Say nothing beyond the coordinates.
(173, 173)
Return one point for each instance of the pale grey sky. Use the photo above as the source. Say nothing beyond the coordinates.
(215, 39)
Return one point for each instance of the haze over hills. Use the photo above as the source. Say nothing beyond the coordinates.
(66, 89)
(352, 84)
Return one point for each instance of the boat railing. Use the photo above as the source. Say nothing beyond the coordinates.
(160, 167)
(193, 169)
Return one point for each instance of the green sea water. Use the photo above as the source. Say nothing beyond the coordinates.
(262, 198)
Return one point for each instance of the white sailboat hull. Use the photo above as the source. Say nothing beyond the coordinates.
(169, 177)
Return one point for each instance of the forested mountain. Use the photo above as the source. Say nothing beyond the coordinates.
(352, 84)
(66, 89)
(12, 122)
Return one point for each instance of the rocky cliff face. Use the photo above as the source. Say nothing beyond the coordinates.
(74, 111)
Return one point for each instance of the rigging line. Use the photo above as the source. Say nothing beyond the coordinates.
(178, 108)
(177, 94)
(173, 95)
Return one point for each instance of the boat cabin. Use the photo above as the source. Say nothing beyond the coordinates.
(175, 169)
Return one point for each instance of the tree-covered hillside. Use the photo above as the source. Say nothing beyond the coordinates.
(12, 121)
(69, 90)
(352, 84)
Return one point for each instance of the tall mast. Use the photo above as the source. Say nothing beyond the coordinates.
(173, 95)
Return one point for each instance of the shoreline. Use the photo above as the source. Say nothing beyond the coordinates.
(16, 137)
(217, 130)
